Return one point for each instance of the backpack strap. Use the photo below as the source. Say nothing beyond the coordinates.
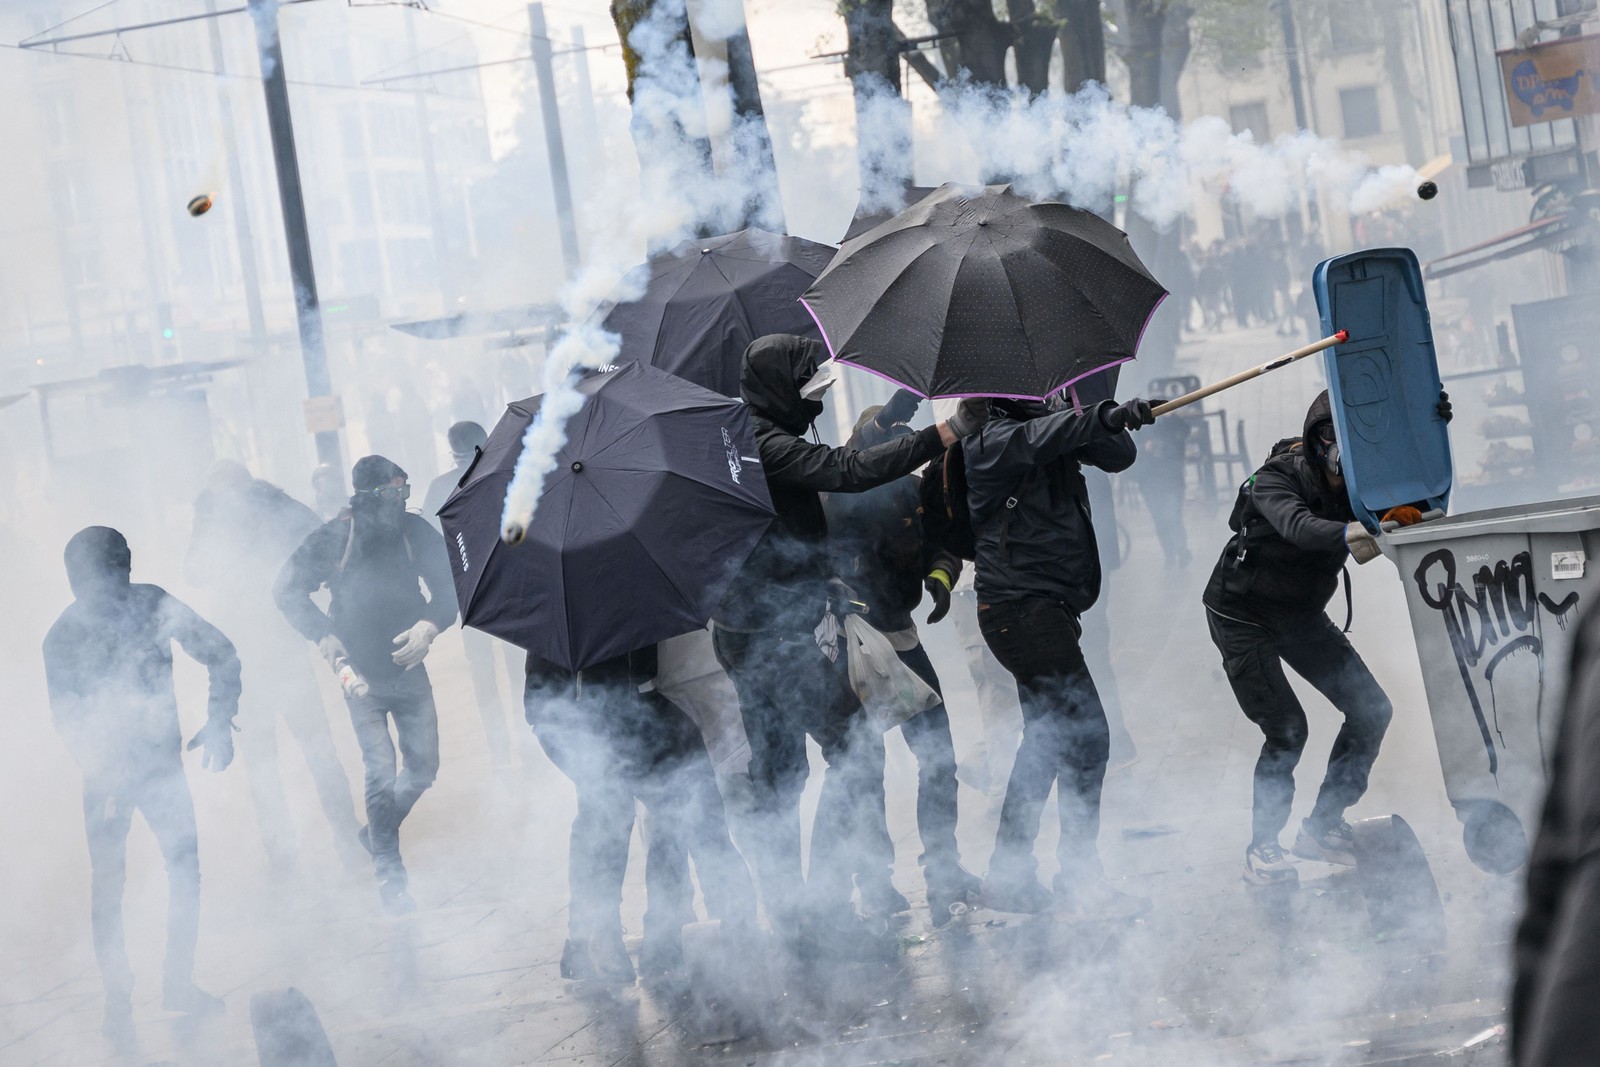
(1349, 600)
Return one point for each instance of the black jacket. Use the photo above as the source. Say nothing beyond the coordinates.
(108, 668)
(373, 582)
(1282, 564)
(1043, 544)
(877, 543)
(1553, 1018)
(241, 539)
(783, 584)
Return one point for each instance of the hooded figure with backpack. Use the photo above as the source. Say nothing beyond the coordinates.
(1294, 531)
(376, 632)
(880, 550)
(773, 637)
(1038, 571)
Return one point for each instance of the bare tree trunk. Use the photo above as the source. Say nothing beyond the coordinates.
(1396, 62)
(1142, 51)
(753, 141)
(1035, 33)
(981, 40)
(883, 119)
(1083, 42)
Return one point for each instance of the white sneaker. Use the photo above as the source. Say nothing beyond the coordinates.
(1266, 864)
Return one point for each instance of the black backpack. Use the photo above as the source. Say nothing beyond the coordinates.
(1236, 518)
(946, 518)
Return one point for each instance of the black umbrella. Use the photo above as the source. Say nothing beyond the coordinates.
(707, 299)
(975, 291)
(657, 498)
(871, 220)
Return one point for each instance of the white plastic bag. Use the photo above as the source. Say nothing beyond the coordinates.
(890, 692)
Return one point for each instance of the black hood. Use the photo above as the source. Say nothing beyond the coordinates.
(770, 377)
(1320, 411)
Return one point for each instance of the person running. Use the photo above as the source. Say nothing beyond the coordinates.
(244, 530)
(772, 636)
(880, 551)
(1294, 532)
(1038, 571)
(377, 631)
(108, 670)
(618, 739)
(465, 440)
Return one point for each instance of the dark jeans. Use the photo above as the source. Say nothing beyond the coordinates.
(1254, 657)
(1064, 738)
(168, 809)
(788, 689)
(408, 699)
(617, 746)
(928, 737)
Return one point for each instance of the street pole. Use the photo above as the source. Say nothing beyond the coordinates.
(430, 175)
(239, 203)
(560, 182)
(297, 237)
(1291, 52)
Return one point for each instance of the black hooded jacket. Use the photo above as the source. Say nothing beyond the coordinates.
(784, 582)
(1030, 505)
(1283, 561)
(241, 537)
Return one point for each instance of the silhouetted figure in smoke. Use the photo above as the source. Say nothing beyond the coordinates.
(1553, 1018)
(1038, 571)
(108, 665)
(1293, 534)
(880, 551)
(244, 530)
(376, 632)
(1160, 476)
(619, 740)
(465, 439)
(775, 639)
(327, 489)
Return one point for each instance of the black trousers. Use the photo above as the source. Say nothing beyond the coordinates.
(164, 800)
(392, 792)
(618, 746)
(1253, 658)
(928, 737)
(1065, 739)
(787, 689)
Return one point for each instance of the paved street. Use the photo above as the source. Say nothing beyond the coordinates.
(1216, 975)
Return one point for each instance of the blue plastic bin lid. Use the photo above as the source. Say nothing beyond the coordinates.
(1383, 382)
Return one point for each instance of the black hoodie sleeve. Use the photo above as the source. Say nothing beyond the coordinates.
(206, 644)
(304, 573)
(794, 463)
(1277, 496)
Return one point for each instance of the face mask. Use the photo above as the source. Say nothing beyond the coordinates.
(820, 382)
(1330, 458)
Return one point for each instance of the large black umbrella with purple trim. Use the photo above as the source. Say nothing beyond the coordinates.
(975, 291)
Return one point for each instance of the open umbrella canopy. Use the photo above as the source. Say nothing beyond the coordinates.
(707, 299)
(975, 291)
(657, 498)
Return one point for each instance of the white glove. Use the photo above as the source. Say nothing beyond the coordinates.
(414, 644)
(1363, 546)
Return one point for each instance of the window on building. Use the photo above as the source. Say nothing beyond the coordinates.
(1352, 26)
(352, 136)
(392, 130)
(1359, 107)
(411, 264)
(1251, 116)
(403, 198)
(360, 199)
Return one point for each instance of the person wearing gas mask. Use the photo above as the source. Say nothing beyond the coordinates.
(108, 669)
(465, 440)
(1294, 531)
(776, 637)
(1037, 572)
(375, 634)
(880, 552)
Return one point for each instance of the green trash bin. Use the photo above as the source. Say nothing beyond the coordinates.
(1494, 598)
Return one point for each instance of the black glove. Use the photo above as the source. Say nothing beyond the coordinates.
(842, 599)
(1446, 412)
(1128, 415)
(937, 583)
(899, 409)
(217, 737)
(969, 418)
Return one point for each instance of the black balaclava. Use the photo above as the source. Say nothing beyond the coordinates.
(99, 564)
(770, 377)
(380, 510)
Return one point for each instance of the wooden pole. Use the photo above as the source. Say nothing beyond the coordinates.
(1254, 372)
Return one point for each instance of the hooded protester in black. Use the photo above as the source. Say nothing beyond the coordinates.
(108, 668)
(1265, 608)
(787, 682)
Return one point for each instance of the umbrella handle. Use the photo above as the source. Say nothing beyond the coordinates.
(1254, 372)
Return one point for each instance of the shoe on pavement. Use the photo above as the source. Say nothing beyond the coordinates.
(952, 889)
(880, 899)
(1023, 896)
(1336, 844)
(189, 999)
(1265, 864)
(662, 954)
(394, 898)
(602, 959)
(841, 935)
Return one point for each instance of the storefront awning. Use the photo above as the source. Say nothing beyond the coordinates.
(1546, 233)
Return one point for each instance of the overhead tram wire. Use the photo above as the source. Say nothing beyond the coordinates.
(33, 43)
(52, 54)
(64, 22)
